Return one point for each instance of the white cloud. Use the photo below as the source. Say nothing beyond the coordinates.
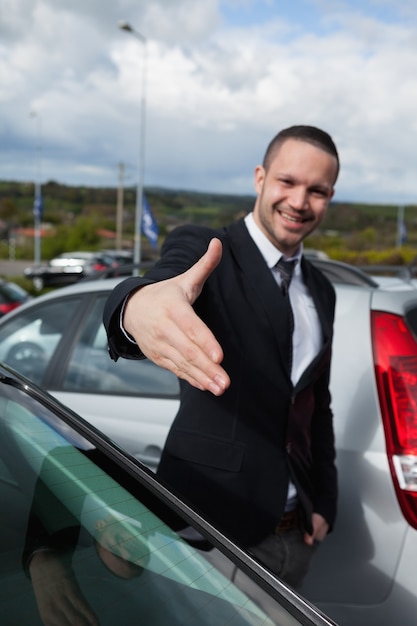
(215, 93)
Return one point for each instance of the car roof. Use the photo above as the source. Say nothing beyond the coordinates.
(343, 273)
(87, 286)
(77, 255)
(81, 287)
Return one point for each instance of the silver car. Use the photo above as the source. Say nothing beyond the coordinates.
(364, 574)
(365, 571)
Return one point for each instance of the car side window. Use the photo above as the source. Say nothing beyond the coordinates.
(91, 369)
(29, 340)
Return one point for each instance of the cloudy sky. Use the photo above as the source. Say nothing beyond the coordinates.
(222, 77)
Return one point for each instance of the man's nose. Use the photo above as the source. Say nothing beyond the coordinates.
(298, 198)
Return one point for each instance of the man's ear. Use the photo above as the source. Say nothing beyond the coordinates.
(259, 178)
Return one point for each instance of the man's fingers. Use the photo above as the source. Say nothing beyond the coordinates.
(320, 529)
(191, 335)
(184, 352)
(198, 378)
(216, 383)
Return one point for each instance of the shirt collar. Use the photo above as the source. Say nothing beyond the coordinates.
(270, 253)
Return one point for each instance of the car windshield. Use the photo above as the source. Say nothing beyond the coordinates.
(64, 496)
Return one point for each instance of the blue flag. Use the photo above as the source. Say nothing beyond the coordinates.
(38, 205)
(149, 225)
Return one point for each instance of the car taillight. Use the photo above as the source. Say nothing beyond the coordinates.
(395, 358)
(6, 308)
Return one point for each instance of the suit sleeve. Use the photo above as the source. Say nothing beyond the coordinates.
(323, 439)
(323, 451)
(118, 343)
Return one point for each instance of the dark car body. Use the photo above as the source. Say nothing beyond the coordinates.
(109, 526)
(68, 268)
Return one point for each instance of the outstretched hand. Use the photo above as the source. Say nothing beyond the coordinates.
(161, 319)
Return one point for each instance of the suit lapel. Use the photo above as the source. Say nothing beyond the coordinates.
(266, 296)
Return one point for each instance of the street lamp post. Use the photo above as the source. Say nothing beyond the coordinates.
(141, 173)
(119, 207)
(37, 201)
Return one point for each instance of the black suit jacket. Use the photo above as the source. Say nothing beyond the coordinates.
(232, 456)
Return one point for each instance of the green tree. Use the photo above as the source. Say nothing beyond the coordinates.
(83, 235)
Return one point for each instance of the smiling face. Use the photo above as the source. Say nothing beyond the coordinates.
(294, 193)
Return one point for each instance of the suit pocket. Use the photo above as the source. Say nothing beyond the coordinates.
(223, 455)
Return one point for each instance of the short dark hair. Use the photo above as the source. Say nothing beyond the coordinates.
(310, 134)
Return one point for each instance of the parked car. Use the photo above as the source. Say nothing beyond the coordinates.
(365, 571)
(11, 296)
(59, 342)
(105, 522)
(68, 268)
(122, 257)
(124, 269)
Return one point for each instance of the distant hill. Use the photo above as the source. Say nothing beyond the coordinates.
(64, 205)
(62, 202)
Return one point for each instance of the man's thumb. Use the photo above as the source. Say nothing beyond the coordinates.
(197, 275)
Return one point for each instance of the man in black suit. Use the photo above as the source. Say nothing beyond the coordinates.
(252, 445)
